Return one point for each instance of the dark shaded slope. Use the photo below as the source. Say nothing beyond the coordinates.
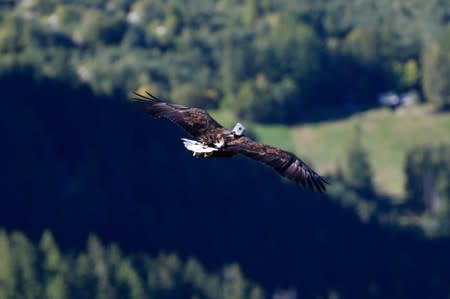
(77, 164)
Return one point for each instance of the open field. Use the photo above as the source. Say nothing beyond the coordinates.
(386, 135)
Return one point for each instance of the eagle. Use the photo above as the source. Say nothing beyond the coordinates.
(213, 140)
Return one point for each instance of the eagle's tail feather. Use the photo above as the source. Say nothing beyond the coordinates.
(197, 147)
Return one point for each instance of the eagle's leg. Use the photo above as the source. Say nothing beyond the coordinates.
(202, 155)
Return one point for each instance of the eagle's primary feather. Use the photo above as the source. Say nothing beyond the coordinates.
(199, 124)
(285, 163)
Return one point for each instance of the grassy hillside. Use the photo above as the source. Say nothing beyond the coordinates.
(387, 136)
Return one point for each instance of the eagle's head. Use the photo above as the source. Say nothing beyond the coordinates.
(238, 129)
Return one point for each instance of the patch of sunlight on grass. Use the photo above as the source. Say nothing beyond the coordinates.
(224, 117)
(276, 135)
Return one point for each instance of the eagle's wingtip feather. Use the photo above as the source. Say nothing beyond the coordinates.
(147, 97)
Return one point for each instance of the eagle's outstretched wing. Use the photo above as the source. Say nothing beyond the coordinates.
(195, 121)
(285, 163)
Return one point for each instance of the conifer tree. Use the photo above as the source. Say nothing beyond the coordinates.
(54, 268)
(7, 275)
(357, 171)
(100, 268)
(427, 170)
(24, 259)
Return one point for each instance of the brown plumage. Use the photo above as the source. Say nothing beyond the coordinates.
(226, 143)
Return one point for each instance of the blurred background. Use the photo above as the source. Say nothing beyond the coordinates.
(98, 200)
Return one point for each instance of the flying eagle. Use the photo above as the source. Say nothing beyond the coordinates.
(213, 140)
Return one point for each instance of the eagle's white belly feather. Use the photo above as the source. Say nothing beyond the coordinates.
(197, 147)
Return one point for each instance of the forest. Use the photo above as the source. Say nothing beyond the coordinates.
(43, 271)
(97, 200)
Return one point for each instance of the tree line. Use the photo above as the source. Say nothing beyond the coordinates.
(269, 60)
